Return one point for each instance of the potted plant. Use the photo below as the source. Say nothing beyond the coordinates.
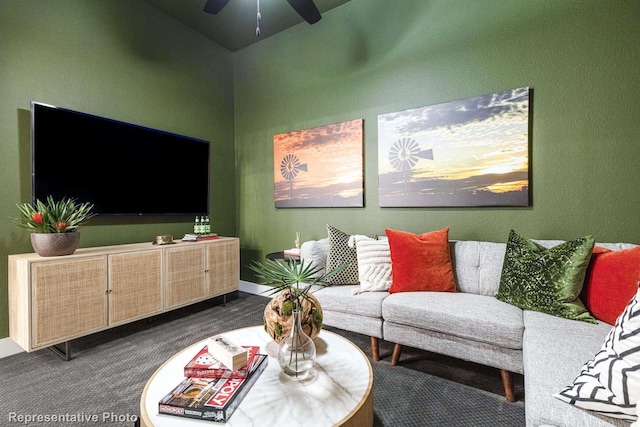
(54, 224)
(293, 318)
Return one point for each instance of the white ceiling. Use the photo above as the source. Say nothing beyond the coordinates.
(235, 26)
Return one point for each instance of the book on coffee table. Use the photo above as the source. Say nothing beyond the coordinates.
(204, 365)
(211, 399)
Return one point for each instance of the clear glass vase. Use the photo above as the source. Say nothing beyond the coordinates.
(297, 352)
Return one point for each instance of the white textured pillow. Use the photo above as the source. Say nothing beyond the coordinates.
(610, 383)
(374, 263)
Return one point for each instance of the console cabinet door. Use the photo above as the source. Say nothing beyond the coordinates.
(223, 267)
(185, 275)
(69, 299)
(135, 286)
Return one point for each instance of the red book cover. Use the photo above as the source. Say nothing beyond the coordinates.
(204, 365)
(207, 238)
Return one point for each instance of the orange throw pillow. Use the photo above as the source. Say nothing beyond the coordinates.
(611, 282)
(420, 262)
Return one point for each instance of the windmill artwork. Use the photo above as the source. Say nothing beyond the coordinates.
(472, 152)
(319, 167)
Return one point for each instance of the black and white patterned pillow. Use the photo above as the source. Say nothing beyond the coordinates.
(340, 253)
(610, 383)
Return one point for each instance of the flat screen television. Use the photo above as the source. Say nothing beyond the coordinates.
(121, 168)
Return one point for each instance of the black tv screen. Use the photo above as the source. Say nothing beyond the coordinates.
(121, 168)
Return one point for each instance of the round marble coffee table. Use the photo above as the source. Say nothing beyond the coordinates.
(337, 392)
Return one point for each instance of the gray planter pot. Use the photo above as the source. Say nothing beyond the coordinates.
(55, 244)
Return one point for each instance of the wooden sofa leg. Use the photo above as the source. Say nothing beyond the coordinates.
(395, 357)
(508, 386)
(375, 349)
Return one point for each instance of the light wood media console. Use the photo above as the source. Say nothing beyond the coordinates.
(53, 300)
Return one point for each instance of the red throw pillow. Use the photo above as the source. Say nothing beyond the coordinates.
(611, 282)
(420, 262)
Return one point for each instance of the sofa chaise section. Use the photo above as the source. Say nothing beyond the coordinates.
(554, 351)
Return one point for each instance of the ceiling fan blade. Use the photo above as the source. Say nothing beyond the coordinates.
(307, 9)
(215, 6)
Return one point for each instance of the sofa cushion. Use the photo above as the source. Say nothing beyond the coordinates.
(478, 266)
(374, 263)
(340, 253)
(421, 262)
(546, 280)
(554, 349)
(470, 316)
(342, 299)
(609, 383)
(369, 326)
(611, 282)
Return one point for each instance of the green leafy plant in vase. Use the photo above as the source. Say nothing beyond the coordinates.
(54, 225)
(293, 318)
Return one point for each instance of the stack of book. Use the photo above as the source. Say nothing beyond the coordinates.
(293, 253)
(210, 390)
(190, 237)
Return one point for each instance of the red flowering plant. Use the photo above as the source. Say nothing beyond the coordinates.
(63, 216)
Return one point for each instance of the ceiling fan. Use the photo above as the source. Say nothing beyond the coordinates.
(305, 8)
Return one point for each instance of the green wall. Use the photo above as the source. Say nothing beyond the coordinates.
(125, 60)
(369, 57)
(120, 59)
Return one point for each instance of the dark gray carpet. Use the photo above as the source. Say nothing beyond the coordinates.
(108, 371)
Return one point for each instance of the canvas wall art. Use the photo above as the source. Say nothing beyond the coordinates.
(472, 152)
(319, 167)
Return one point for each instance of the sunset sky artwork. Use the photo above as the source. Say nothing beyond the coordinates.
(472, 152)
(319, 167)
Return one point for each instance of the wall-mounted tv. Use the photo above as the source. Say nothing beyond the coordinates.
(121, 168)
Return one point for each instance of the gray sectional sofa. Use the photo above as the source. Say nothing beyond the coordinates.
(473, 325)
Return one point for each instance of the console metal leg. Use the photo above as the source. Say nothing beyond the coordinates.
(216, 300)
(64, 354)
